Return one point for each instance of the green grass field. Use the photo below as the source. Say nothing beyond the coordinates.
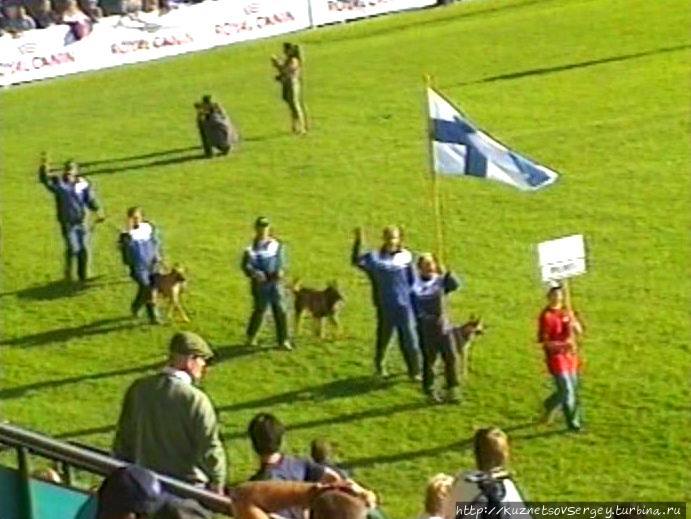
(597, 89)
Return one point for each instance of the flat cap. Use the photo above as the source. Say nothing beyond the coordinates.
(189, 343)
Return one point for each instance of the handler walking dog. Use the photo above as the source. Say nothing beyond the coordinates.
(141, 252)
(262, 263)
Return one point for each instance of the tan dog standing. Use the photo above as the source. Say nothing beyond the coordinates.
(321, 304)
(170, 286)
(464, 335)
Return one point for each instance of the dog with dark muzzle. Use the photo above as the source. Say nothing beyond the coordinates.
(321, 304)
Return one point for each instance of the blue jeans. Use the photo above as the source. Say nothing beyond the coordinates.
(144, 297)
(76, 238)
(264, 296)
(403, 321)
(566, 396)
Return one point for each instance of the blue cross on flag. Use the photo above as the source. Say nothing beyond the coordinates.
(460, 148)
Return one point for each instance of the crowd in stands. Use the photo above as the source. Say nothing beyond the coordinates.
(17, 16)
(287, 487)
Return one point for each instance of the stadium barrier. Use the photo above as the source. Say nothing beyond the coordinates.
(120, 40)
(25, 497)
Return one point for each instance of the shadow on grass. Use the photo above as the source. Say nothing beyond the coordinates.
(20, 391)
(347, 387)
(58, 289)
(165, 161)
(416, 24)
(345, 418)
(224, 353)
(98, 327)
(571, 66)
(142, 156)
(266, 137)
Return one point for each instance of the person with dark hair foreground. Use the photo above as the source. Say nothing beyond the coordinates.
(266, 434)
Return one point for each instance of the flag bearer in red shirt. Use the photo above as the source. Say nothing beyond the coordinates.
(557, 331)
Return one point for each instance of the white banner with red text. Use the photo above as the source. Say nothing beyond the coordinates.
(118, 40)
(331, 11)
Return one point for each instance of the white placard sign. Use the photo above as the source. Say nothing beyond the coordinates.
(562, 258)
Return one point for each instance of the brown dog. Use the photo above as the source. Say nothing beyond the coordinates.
(170, 286)
(463, 336)
(322, 304)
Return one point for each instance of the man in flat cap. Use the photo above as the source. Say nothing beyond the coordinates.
(170, 426)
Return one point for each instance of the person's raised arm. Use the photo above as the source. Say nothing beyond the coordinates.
(44, 176)
(451, 282)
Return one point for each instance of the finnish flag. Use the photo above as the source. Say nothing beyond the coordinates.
(460, 148)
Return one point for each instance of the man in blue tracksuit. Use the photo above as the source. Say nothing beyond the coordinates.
(263, 262)
(73, 197)
(141, 252)
(391, 269)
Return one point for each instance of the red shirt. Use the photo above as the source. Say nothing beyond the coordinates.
(554, 326)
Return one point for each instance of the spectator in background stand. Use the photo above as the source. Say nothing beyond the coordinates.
(91, 9)
(16, 20)
(80, 24)
(41, 12)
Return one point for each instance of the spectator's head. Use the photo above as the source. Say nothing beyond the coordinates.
(391, 236)
(135, 216)
(189, 353)
(266, 433)
(427, 264)
(128, 493)
(321, 450)
(437, 491)
(206, 99)
(287, 48)
(555, 296)
(491, 449)
(335, 504)
(262, 227)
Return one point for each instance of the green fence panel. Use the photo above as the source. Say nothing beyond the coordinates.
(10, 492)
(50, 501)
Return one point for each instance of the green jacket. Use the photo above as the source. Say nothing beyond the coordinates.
(169, 426)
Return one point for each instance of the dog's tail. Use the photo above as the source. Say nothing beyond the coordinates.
(295, 286)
